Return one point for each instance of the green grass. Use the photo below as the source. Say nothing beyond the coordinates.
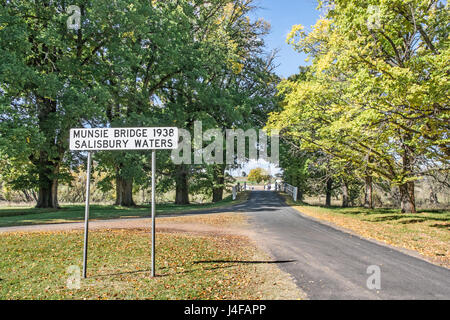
(16, 216)
(34, 266)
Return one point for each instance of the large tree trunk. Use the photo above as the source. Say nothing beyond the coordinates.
(182, 186)
(48, 183)
(124, 192)
(368, 192)
(48, 167)
(48, 193)
(219, 183)
(407, 198)
(433, 196)
(345, 197)
(118, 192)
(328, 191)
(217, 194)
(299, 194)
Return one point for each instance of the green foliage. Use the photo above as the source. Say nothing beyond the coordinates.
(375, 96)
(131, 63)
(258, 175)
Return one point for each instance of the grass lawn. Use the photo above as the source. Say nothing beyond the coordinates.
(188, 266)
(427, 232)
(16, 216)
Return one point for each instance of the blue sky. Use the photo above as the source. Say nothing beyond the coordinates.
(282, 15)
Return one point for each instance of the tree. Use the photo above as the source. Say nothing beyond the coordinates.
(374, 95)
(48, 84)
(167, 48)
(258, 175)
(235, 82)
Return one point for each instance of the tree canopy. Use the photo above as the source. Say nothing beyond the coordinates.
(130, 63)
(376, 94)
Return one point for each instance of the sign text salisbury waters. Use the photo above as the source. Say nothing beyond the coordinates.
(90, 139)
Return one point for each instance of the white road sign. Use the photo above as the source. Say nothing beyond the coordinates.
(92, 139)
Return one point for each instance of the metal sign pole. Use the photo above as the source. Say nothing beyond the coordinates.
(86, 214)
(98, 139)
(153, 210)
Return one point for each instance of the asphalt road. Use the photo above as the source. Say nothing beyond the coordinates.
(331, 264)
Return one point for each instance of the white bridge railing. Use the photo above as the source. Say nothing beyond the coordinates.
(285, 187)
(238, 188)
(291, 190)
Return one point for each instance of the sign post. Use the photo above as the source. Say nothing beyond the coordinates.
(86, 213)
(97, 139)
(153, 210)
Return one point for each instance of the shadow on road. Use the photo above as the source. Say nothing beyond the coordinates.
(272, 202)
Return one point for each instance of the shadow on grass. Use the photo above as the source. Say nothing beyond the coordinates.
(408, 219)
(232, 262)
(118, 274)
(362, 211)
(441, 226)
(156, 274)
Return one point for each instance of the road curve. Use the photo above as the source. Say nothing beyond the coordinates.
(331, 264)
